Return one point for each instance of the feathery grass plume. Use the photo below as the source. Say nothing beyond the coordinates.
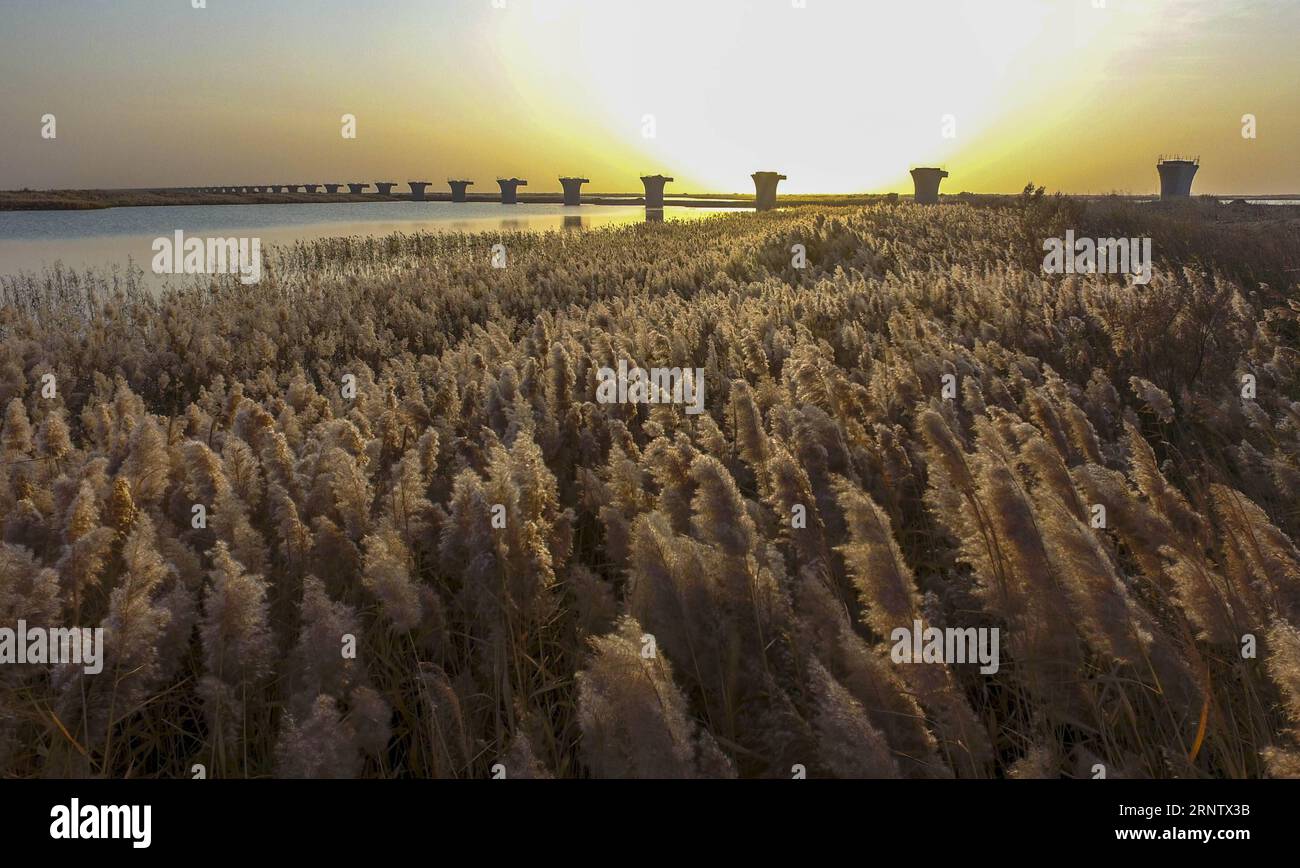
(634, 720)
(1081, 432)
(352, 494)
(823, 631)
(750, 436)
(27, 590)
(894, 482)
(668, 591)
(134, 627)
(1041, 762)
(335, 558)
(467, 546)
(27, 526)
(322, 745)
(1085, 573)
(53, 440)
(594, 603)
(720, 516)
(254, 426)
(1156, 398)
(16, 435)
(230, 522)
(86, 548)
(847, 744)
(710, 617)
(407, 507)
(122, 511)
(951, 491)
(242, 469)
(387, 575)
(1282, 762)
(746, 578)
(520, 762)
(789, 487)
(559, 381)
(370, 717)
(1283, 665)
(294, 536)
(426, 449)
(519, 481)
(890, 600)
(670, 464)
(279, 463)
(888, 595)
(179, 599)
(1162, 496)
(1134, 521)
(1052, 475)
(1266, 558)
(1044, 415)
(709, 437)
(238, 646)
(1202, 595)
(443, 716)
(148, 464)
(205, 478)
(317, 661)
(1026, 594)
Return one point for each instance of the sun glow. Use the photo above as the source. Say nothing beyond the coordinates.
(839, 96)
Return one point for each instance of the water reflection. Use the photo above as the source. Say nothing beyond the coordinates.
(30, 241)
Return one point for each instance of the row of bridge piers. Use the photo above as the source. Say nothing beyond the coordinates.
(764, 183)
(1176, 175)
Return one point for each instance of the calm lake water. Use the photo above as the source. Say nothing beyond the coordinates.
(30, 241)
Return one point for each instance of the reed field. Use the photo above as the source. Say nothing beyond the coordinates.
(367, 518)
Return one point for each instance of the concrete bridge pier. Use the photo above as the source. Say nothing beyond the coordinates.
(654, 190)
(311, 188)
(357, 189)
(573, 189)
(417, 190)
(510, 190)
(1176, 174)
(384, 188)
(458, 190)
(292, 188)
(926, 180)
(332, 188)
(765, 189)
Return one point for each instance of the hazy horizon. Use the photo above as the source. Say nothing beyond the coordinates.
(841, 96)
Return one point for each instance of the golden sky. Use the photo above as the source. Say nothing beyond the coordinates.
(840, 95)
